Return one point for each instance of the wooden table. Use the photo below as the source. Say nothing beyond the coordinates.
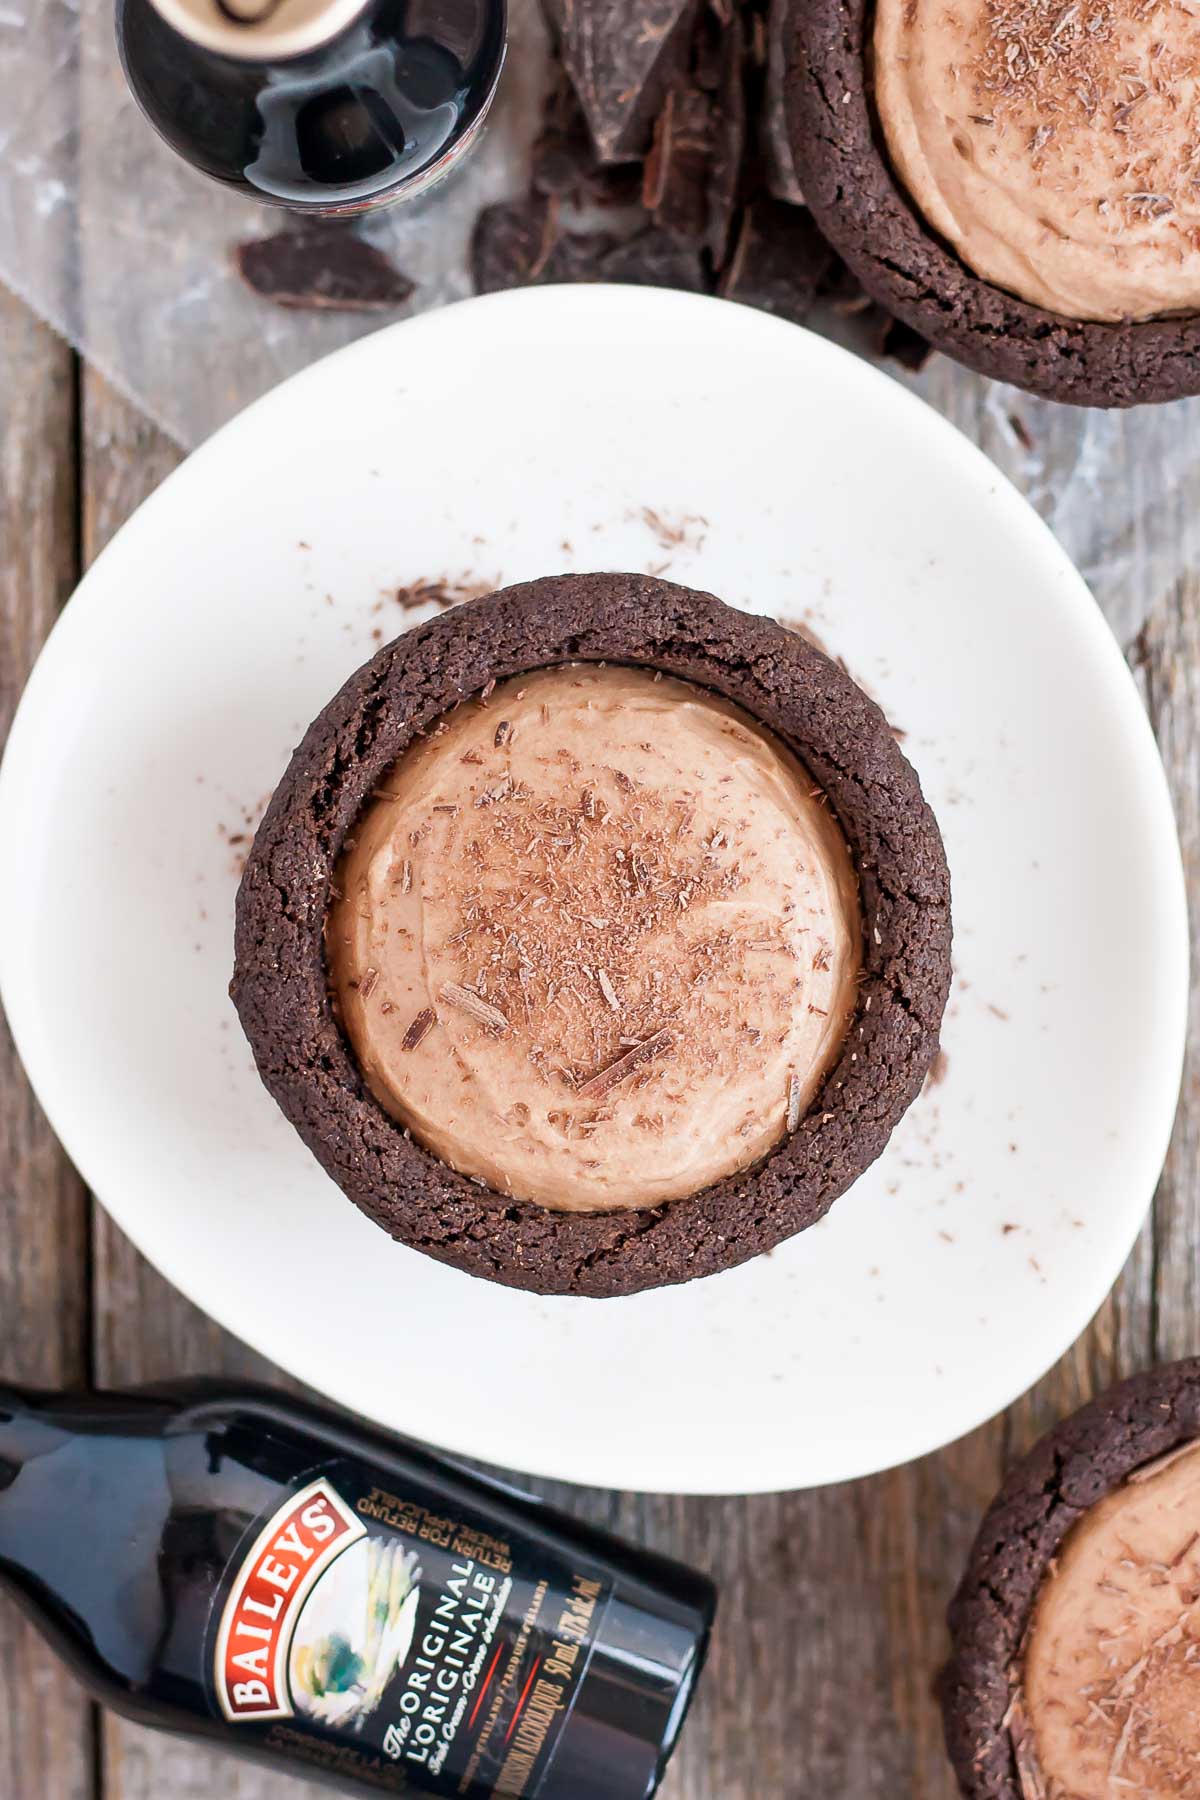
(832, 1602)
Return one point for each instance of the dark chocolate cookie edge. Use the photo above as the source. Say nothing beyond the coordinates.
(280, 979)
(1072, 1467)
(854, 197)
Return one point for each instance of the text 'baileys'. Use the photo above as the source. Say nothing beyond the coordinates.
(247, 1569)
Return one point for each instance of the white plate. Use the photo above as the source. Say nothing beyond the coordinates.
(520, 435)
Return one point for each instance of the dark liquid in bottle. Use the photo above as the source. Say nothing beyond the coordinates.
(380, 110)
(238, 1567)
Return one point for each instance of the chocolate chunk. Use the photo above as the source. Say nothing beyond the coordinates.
(564, 164)
(779, 261)
(621, 56)
(653, 258)
(779, 167)
(321, 267)
(563, 158)
(676, 183)
(729, 142)
(578, 256)
(843, 290)
(511, 243)
(708, 50)
(901, 343)
(519, 243)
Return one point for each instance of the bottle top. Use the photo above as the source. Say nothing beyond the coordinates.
(259, 30)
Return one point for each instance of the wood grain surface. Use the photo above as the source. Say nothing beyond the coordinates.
(47, 1728)
(832, 1601)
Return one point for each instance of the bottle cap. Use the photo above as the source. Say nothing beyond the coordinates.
(649, 1651)
(259, 30)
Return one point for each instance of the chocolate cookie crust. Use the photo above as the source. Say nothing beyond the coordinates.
(280, 984)
(858, 203)
(1074, 1466)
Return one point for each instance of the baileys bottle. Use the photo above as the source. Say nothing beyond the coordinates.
(325, 106)
(247, 1569)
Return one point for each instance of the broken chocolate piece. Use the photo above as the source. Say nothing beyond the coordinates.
(676, 183)
(519, 244)
(322, 268)
(729, 143)
(621, 57)
(895, 339)
(515, 245)
(779, 262)
(508, 241)
(564, 161)
(778, 164)
(653, 258)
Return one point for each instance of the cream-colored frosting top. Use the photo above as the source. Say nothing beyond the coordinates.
(598, 939)
(1112, 1665)
(1055, 144)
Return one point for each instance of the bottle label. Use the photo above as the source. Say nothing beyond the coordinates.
(268, 1597)
(366, 1635)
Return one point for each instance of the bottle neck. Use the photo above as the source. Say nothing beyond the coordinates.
(26, 1433)
(10, 1462)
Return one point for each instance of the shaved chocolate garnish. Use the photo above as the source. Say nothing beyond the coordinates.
(367, 985)
(443, 591)
(468, 1001)
(503, 733)
(779, 261)
(621, 56)
(322, 268)
(1029, 1772)
(625, 1065)
(420, 1028)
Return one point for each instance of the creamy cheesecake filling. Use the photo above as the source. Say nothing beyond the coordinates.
(1055, 144)
(1112, 1663)
(596, 939)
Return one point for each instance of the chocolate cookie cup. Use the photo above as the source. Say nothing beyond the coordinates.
(1112, 1452)
(857, 200)
(282, 986)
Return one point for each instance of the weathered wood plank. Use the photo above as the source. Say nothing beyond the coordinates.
(1167, 654)
(46, 1723)
(144, 1329)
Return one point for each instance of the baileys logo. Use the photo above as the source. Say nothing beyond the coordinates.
(319, 1619)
